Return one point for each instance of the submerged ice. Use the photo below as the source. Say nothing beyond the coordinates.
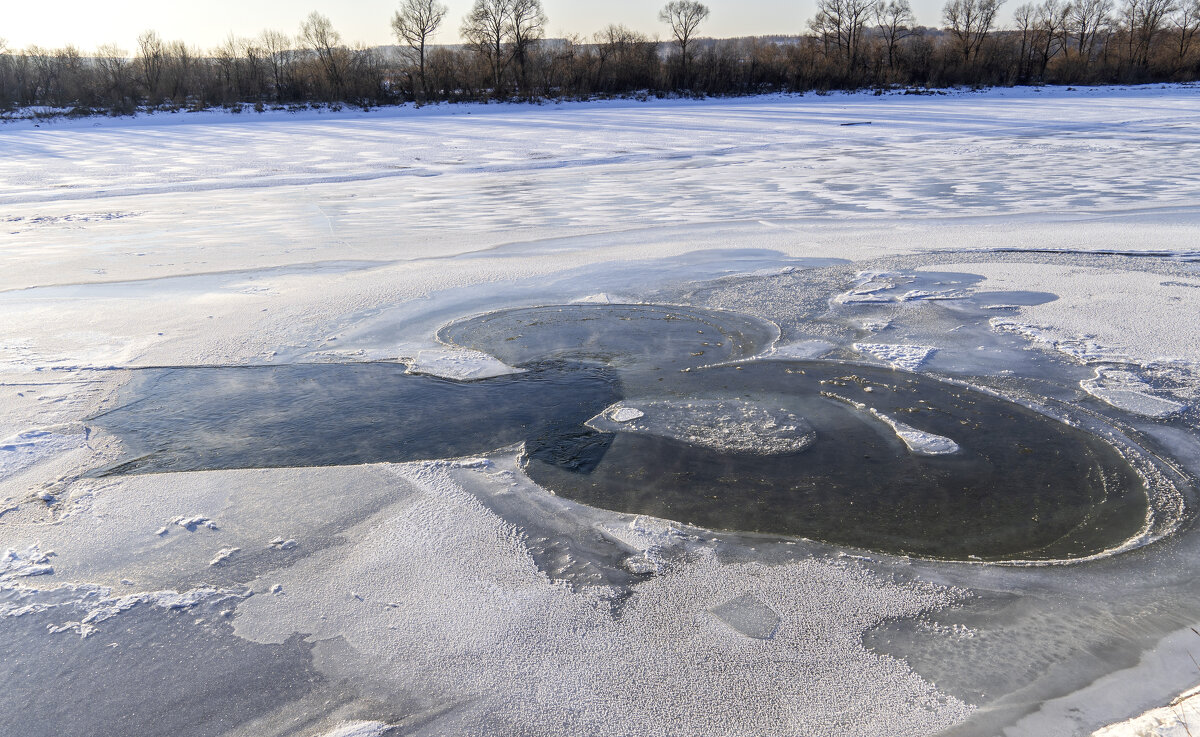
(729, 425)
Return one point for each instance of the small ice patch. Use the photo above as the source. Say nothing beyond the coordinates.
(906, 357)
(748, 615)
(25, 449)
(801, 351)
(1127, 391)
(280, 544)
(728, 425)
(625, 414)
(191, 524)
(359, 729)
(918, 441)
(459, 364)
(603, 298)
(223, 555)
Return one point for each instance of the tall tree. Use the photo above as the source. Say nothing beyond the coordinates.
(684, 17)
(895, 21)
(970, 22)
(414, 25)
(526, 27)
(318, 35)
(840, 25)
(484, 29)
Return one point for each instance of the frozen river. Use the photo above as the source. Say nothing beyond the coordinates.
(823, 415)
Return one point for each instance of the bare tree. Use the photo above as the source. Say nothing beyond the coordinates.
(970, 22)
(414, 25)
(319, 37)
(280, 56)
(118, 79)
(895, 21)
(1085, 20)
(684, 17)
(1187, 23)
(1144, 20)
(151, 59)
(526, 27)
(484, 29)
(840, 23)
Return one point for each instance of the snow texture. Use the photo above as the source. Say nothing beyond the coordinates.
(25, 449)
(446, 599)
(904, 357)
(1178, 719)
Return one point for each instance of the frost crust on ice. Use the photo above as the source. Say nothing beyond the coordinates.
(476, 622)
(918, 441)
(459, 364)
(905, 357)
(27, 448)
(1128, 391)
(728, 425)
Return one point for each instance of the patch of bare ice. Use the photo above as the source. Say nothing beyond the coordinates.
(1128, 391)
(906, 357)
(729, 425)
(800, 351)
(459, 364)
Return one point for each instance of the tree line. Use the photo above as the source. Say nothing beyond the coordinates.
(849, 44)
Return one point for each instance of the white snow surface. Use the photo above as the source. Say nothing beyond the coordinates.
(446, 598)
(279, 237)
(1180, 718)
(27, 448)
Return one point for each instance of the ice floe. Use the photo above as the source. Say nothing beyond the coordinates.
(460, 364)
(729, 425)
(918, 441)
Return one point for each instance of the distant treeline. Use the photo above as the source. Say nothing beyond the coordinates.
(850, 44)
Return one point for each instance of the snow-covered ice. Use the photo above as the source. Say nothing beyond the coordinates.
(459, 597)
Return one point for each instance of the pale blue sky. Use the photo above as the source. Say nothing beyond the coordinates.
(89, 23)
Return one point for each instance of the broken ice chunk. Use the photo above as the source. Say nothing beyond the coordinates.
(918, 441)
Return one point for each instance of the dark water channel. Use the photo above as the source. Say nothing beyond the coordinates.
(1020, 484)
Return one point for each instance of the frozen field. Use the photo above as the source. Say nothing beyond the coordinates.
(195, 306)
